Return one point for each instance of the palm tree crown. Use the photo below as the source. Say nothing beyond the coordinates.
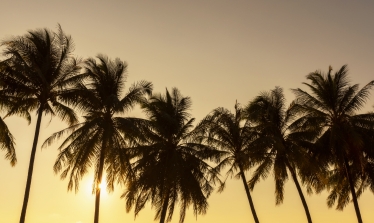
(170, 166)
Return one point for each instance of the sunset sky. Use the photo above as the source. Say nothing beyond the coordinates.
(216, 52)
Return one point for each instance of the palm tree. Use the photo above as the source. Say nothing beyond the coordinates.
(99, 139)
(231, 134)
(282, 141)
(343, 135)
(39, 75)
(170, 166)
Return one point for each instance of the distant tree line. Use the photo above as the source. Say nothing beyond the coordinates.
(320, 140)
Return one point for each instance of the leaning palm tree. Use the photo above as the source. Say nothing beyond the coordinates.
(99, 140)
(231, 134)
(39, 74)
(282, 141)
(331, 109)
(170, 165)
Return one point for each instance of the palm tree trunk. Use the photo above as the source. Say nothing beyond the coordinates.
(294, 177)
(164, 208)
(248, 194)
(98, 189)
(31, 166)
(352, 188)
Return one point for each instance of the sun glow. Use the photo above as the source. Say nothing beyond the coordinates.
(103, 184)
(102, 187)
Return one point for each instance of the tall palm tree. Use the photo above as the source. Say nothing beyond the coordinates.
(39, 74)
(331, 108)
(231, 134)
(282, 141)
(170, 166)
(99, 139)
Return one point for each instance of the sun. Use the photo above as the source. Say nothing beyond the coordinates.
(103, 184)
(102, 187)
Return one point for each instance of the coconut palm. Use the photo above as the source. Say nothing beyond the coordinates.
(39, 74)
(170, 166)
(331, 108)
(231, 134)
(282, 140)
(99, 139)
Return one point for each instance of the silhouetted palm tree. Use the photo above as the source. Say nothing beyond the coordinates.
(170, 167)
(231, 134)
(39, 74)
(281, 140)
(331, 109)
(99, 139)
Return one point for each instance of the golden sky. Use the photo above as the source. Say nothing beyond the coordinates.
(216, 52)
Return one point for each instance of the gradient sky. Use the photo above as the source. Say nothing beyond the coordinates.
(216, 52)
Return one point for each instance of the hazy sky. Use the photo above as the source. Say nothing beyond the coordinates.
(214, 51)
